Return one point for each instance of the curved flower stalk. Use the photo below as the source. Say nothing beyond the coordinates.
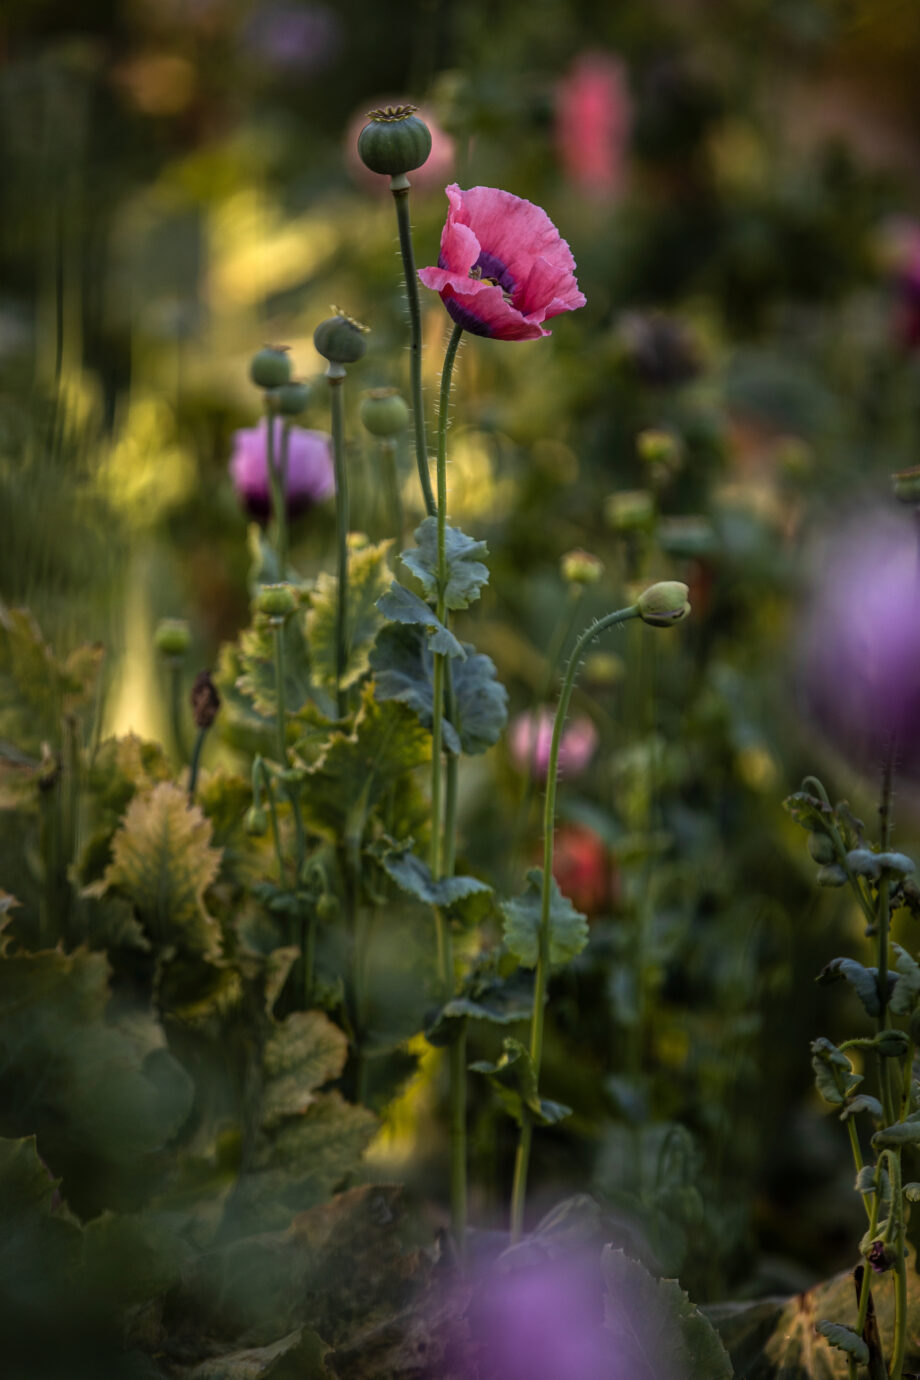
(661, 605)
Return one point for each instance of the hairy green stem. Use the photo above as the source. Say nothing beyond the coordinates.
(401, 197)
(260, 771)
(174, 665)
(391, 485)
(519, 1189)
(274, 482)
(281, 519)
(337, 402)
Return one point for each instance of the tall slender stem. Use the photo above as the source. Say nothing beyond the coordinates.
(280, 504)
(337, 401)
(195, 763)
(174, 665)
(519, 1189)
(280, 709)
(391, 484)
(260, 770)
(275, 483)
(400, 189)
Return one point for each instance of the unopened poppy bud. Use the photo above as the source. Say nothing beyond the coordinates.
(384, 412)
(293, 398)
(906, 485)
(271, 367)
(172, 637)
(862, 862)
(660, 448)
(664, 603)
(340, 338)
(394, 140)
(630, 511)
(821, 847)
(276, 601)
(205, 700)
(897, 864)
(581, 568)
(256, 822)
(892, 1044)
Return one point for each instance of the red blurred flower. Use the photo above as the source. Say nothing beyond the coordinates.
(593, 117)
(503, 268)
(583, 869)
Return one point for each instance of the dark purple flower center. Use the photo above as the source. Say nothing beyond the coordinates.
(492, 268)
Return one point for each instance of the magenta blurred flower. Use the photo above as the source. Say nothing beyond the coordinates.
(545, 1321)
(901, 253)
(530, 736)
(503, 268)
(310, 473)
(593, 117)
(292, 37)
(436, 168)
(859, 644)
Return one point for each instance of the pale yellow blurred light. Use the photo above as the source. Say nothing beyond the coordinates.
(757, 768)
(147, 472)
(396, 1142)
(255, 251)
(473, 488)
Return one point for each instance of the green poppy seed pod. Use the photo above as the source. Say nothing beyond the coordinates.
(271, 367)
(394, 140)
(821, 848)
(276, 601)
(664, 604)
(832, 875)
(906, 485)
(256, 822)
(892, 1044)
(581, 568)
(862, 862)
(172, 637)
(384, 412)
(293, 398)
(340, 338)
(631, 510)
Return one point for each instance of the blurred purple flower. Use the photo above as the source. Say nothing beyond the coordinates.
(531, 734)
(310, 473)
(544, 1321)
(859, 643)
(299, 38)
(900, 250)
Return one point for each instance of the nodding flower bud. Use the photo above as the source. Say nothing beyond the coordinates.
(256, 822)
(664, 604)
(581, 568)
(881, 1256)
(340, 338)
(384, 412)
(204, 699)
(660, 448)
(821, 847)
(394, 140)
(907, 485)
(630, 510)
(276, 601)
(292, 398)
(271, 367)
(172, 637)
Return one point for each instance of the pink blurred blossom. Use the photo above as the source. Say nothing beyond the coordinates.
(503, 268)
(431, 176)
(901, 255)
(593, 120)
(310, 472)
(859, 641)
(530, 735)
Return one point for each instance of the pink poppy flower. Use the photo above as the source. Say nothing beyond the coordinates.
(593, 116)
(531, 734)
(310, 472)
(503, 268)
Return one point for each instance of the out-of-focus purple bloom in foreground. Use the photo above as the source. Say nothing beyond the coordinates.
(310, 473)
(859, 644)
(545, 1321)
